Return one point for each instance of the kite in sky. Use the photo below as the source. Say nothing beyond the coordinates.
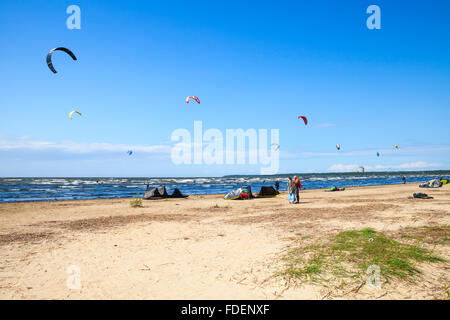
(49, 57)
(194, 98)
(304, 119)
(74, 111)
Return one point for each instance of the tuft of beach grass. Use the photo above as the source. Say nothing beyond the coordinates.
(349, 254)
(135, 203)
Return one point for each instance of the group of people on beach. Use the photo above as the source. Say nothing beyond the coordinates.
(294, 187)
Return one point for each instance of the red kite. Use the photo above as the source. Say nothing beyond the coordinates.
(193, 97)
(304, 119)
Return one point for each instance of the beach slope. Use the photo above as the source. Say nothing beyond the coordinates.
(205, 247)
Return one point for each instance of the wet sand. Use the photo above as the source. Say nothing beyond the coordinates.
(202, 247)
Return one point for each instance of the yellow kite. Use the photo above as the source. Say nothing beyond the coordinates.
(70, 114)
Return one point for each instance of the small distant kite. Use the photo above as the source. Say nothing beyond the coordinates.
(277, 146)
(378, 154)
(194, 98)
(338, 146)
(49, 57)
(130, 152)
(396, 146)
(304, 119)
(71, 113)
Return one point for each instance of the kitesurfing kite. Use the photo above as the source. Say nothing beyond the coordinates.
(49, 57)
(338, 146)
(378, 154)
(129, 152)
(304, 119)
(71, 113)
(396, 146)
(194, 98)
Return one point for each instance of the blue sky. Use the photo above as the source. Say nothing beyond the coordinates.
(253, 64)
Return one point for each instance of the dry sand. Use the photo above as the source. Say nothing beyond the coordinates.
(202, 247)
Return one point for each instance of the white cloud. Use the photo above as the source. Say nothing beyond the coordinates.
(27, 144)
(413, 165)
(343, 167)
(410, 151)
(354, 167)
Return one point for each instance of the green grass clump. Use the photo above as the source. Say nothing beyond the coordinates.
(428, 234)
(447, 293)
(136, 203)
(349, 254)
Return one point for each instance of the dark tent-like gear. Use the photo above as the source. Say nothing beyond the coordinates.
(177, 194)
(161, 193)
(152, 194)
(268, 192)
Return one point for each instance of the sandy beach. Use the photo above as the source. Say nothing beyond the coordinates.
(205, 247)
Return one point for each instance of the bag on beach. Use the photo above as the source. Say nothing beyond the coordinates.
(421, 196)
(291, 197)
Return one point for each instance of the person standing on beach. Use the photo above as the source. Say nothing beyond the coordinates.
(291, 190)
(404, 180)
(277, 185)
(297, 188)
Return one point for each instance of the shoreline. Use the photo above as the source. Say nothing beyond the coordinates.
(198, 195)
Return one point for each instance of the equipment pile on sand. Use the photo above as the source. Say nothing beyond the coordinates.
(161, 193)
(431, 184)
(244, 193)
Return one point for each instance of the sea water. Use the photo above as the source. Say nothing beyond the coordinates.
(56, 189)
